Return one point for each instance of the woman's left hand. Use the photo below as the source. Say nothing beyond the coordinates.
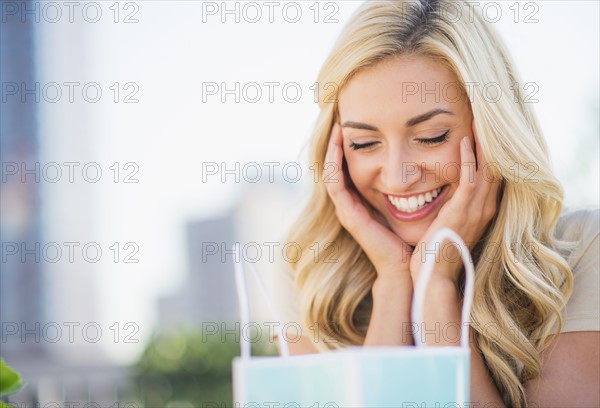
(468, 213)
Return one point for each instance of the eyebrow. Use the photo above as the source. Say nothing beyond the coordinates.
(409, 123)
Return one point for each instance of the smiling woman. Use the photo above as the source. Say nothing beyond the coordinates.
(413, 158)
(404, 159)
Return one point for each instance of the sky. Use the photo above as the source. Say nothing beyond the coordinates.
(168, 115)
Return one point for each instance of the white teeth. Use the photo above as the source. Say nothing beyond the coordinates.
(403, 204)
(414, 203)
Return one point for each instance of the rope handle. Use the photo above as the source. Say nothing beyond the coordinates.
(423, 281)
(242, 293)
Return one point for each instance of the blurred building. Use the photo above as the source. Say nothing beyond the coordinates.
(209, 291)
(39, 297)
(258, 223)
(22, 294)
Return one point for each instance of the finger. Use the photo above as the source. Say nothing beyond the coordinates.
(489, 184)
(492, 197)
(332, 176)
(483, 167)
(485, 177)
(467, 180)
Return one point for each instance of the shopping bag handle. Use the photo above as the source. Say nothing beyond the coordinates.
(423, 281)
(242, 292)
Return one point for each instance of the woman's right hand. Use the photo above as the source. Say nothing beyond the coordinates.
(392, 289)
(388, 253)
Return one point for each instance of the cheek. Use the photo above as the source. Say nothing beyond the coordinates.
(448, 164)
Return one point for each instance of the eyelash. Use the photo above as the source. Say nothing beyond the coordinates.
(357, 146)
(434, 140)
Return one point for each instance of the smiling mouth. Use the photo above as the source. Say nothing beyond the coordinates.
(416, 202)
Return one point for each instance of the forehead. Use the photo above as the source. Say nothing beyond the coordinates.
(401, 87)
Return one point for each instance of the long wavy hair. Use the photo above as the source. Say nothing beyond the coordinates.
(522, 278)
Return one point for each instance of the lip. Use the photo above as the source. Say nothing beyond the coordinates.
(419, 214)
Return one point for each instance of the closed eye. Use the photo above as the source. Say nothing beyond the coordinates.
(357, 146)
(434, 140)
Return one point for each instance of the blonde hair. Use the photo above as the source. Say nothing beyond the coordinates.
(521, 292)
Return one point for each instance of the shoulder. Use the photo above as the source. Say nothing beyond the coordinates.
(578, 224)
(581, 227)
(576, 350)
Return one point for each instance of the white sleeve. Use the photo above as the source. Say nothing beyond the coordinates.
(582, 312)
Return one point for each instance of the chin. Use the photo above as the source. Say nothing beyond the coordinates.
(409, 236)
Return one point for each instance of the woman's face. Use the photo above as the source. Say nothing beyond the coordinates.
(402, 122)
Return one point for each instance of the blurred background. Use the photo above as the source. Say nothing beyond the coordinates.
(141, 140)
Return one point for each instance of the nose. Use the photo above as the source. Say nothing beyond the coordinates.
(401, 170)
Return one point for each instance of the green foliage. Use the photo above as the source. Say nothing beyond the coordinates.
(10, 381)
(186, 369)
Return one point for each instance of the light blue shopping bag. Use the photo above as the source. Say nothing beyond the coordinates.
(418, 376)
